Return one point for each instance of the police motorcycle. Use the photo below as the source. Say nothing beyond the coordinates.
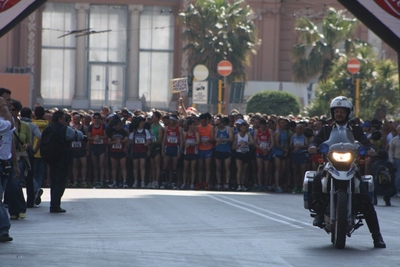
(341, 202)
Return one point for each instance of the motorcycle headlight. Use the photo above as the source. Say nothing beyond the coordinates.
(342, 156)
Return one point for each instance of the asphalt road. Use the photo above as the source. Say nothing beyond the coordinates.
(117, 227)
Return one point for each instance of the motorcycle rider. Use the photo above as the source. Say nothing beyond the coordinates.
(341, 110)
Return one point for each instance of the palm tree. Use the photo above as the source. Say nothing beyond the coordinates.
(215, 30)
(319, 48)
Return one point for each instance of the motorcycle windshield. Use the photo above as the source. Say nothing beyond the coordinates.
(340, 136)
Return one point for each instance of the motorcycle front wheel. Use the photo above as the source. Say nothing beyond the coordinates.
(341, 220)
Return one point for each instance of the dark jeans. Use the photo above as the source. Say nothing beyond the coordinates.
(30, 194)
(370, 218)
(14, 194)
(40, 170)
(58, 175)
(4, 219)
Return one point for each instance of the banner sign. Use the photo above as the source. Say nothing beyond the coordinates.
(13, 12)
(200, 92)
(179, 85)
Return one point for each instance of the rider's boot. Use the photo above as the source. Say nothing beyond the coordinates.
(319, 220)
(378, 240)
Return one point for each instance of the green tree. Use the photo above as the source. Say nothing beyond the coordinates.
(378, 86)
(215, 30)
(273, 102)
(315, 55)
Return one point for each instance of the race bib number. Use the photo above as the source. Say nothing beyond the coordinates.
(172, 139)
(153, 138)
(244, 149)
(139, 140)
(190, 141)
(116, 146)
(299, 143)
(204, 138)
(264, 145)
(76, 144)
(99, 141)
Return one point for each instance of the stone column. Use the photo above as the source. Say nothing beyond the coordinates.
(132, 87)
(80, 100)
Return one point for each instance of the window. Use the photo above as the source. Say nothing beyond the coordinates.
(156, 55)
(58, 54)
(108, 46)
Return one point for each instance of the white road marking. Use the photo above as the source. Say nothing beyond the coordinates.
(267, 211)
(255, 212)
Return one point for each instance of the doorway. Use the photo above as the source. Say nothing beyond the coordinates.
(107, 83)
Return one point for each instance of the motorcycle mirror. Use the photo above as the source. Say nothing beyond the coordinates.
(376, 135)
(308, 132)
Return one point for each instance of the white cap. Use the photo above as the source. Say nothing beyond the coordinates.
(240, 121)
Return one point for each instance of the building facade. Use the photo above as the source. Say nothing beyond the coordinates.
(87, 54)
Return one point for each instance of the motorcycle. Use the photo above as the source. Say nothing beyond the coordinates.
(341, 201)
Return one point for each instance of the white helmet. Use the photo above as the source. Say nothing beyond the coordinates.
(342, 102)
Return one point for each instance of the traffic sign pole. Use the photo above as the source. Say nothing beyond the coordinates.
(357, 97)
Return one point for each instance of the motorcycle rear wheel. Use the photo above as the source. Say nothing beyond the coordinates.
(341, 220)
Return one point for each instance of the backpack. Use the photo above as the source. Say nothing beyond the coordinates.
(50, 145)
(383, 176)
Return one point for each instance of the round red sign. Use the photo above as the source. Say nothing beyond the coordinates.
(353, 66)
(224, 68)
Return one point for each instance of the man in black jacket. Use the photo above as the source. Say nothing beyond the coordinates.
(60, 167)
(341, 109)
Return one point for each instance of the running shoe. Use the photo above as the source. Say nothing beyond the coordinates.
(183, 186)
(113, 185)
(125, 184)
(142, 185)
(239, 188)
(278, 189)
(219, 187)
(226, 187)
(135, 185)
(192, 187)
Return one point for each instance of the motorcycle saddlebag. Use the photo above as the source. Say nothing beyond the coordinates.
(307, 187)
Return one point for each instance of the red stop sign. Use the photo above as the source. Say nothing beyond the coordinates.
(353, 66)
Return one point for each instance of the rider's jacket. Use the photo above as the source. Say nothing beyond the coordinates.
(325, 132)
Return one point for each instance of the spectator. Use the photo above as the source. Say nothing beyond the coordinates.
(8, 160)
(39, 165)
(26, 116)
(22, 140)
(388, 190)
(394, 157)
